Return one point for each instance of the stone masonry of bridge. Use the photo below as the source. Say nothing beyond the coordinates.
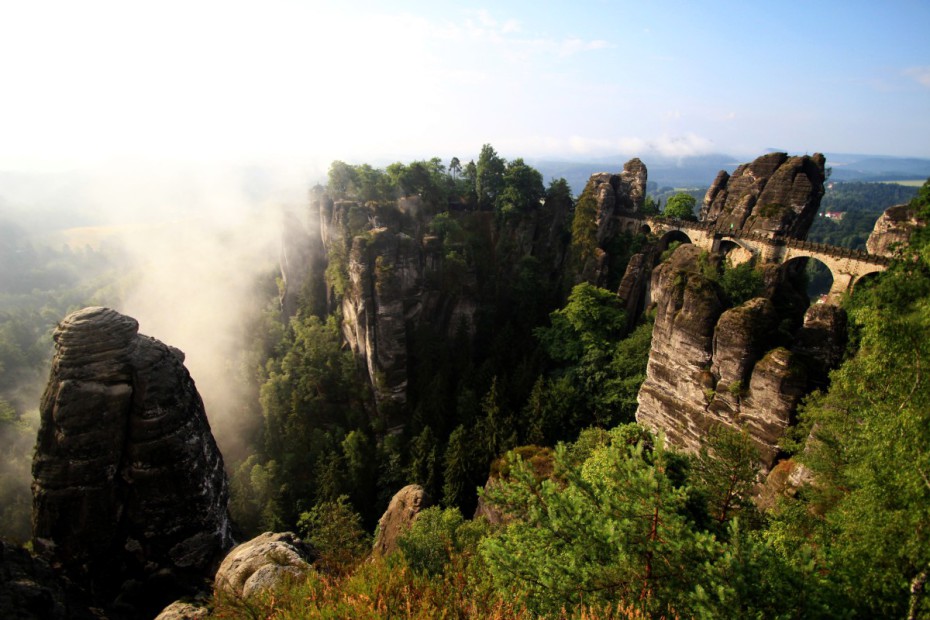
(847, 266)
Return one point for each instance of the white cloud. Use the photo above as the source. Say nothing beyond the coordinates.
(921, 75)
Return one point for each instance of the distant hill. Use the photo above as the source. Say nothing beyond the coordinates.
(848, 167)
(700, 170)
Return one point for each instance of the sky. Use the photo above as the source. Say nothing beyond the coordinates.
(96, 82)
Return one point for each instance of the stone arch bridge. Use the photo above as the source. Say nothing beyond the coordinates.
(846, 266)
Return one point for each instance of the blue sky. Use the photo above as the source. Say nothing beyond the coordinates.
(96, 81)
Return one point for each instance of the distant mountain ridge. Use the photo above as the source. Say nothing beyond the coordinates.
(700, 170)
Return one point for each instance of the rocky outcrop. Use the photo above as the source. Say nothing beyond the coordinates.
(617, 194)
(747, 366)
(773, 195)
(397, 269)
(605, 199)
(301, 265)
(737, 367)
(711, 365)
(29, 588)
(403, 510)
(129, 492)
(263, 564)
(673, 395)
(893, 230)
(180, 610)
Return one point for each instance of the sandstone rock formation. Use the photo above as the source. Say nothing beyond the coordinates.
(29, 588)
(746, 366)
(773, 195)
(393, 274)
(403, 510)
(301, 265)
(129, 492)
(710, 364)
(263, 563)
(892, 230)
(180, 610)
(614, 195)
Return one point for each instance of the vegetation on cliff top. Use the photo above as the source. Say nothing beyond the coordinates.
(624, 528)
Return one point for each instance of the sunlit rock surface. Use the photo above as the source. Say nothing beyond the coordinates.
(403, 510)
(263, 563)
(129, 492)
(773, 195)
(892, 230)
(748, 366)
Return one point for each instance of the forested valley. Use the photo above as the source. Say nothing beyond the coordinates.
(516, 414)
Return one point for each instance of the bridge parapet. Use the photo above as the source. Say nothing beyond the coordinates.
(836, 251)
(662, 224)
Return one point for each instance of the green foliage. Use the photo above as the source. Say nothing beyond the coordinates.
(742, 282)
(592, 320)
(725, 472)
(335, 531)
(436, 537)
(584, 230)
(612, 529)
(602, 370)
(680, 206)
(868, 451)
(489, 179)
(308, 396)
(522, 189)
(17, 436)
(651, 206)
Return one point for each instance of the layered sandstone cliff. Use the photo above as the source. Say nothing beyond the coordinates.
(746, 366)
(773, 195)
(129, 492)
(394, 270)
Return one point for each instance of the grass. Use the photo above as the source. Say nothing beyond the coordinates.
(388, 588)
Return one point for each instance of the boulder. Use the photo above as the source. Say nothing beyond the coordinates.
(180, 610)
(403, 510)
(892, 230)
(129, 493)
(263, 563)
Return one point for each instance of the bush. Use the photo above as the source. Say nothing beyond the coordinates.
(436, 537)
(336, 531)
(742, 283)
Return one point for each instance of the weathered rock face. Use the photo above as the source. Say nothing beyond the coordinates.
(129, 492)
(29, 588)
(402, 275)
(403, 510)
(892, 230)
(773, 195)
(617, 194)
(614, 195)
(709, 365)
(672, 398)
(746, 366)
(264, 563)
(179, 610)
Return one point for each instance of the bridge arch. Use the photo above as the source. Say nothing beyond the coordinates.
(734, 252)
(818, 276)
(671, 236)
(863, 281)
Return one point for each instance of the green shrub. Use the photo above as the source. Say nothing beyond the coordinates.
(336, 531)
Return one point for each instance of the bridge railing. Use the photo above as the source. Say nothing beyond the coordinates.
(800, 244)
